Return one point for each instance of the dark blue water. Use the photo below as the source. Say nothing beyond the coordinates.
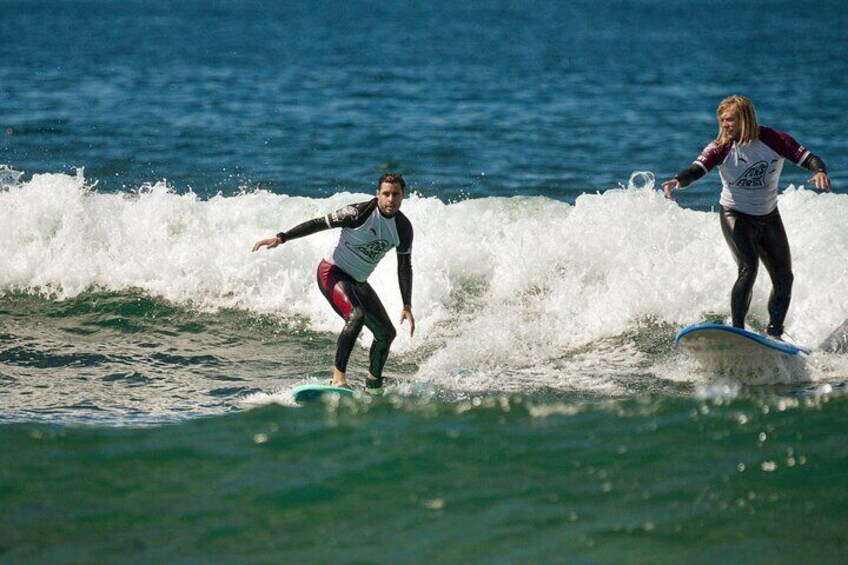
(465, 98)
(541, 413)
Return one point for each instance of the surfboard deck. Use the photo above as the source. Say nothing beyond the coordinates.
(727, 350)
(311, 392)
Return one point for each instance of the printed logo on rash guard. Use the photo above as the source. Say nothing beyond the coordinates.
(754, 176)
(371, 252)
(343, 214)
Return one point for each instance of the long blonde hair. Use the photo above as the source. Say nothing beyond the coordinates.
(749, 128)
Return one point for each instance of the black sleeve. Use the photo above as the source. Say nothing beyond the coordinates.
(405, 278)
(349, 216)
(404, 258)
(814, 163)
(689, 175)
(306, 228)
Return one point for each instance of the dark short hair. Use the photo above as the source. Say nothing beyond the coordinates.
(392, 178)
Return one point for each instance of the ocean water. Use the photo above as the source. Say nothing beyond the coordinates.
(540, 414)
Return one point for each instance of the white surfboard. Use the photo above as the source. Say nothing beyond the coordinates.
(750, 357)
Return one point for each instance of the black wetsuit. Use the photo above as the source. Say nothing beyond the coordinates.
(342, 276)
(751, 239)
(750, 220)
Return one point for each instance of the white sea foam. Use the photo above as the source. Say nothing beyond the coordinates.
(522, 285)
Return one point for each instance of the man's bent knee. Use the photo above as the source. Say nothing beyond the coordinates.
(386, 335)
(355, 319)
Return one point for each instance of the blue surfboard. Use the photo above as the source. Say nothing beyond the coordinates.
(731, 351)
(311, 392)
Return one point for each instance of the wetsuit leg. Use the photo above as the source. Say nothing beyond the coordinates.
(773, 249)
(378, 322)
(359, 305)
(338, 288)
(740, 234)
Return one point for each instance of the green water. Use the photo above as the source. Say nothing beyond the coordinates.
(498, 480)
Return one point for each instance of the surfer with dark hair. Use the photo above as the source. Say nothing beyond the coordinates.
(750, 159)
(369, 230)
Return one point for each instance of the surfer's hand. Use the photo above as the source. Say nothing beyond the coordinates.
(270, 243)
(670, 185)
(821, 181)
(407, 315)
